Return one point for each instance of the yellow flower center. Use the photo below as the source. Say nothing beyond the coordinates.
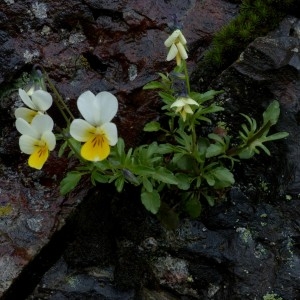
(96, 148)
(39, 156)
(31, 115)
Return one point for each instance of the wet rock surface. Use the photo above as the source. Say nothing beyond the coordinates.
(243, 248)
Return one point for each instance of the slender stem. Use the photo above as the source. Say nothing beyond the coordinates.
(194, 139)
(187, 79)
(59, 101)
(62, 112)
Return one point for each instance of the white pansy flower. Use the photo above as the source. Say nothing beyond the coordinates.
(37, 139)
(183, 107)
(38, 102)
(96, 131)
(176, 43)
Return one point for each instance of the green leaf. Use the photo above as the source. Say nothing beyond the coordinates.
(151, 150)
(202, 146)
(277, 136)
(147, 185)
(164, 77)
(202, 118)
(184, 162)
(165, 148)
(119, 183)
(152, 126)
(272, 113)
(142, 170)
(214, 150)
(246, 153)
(121, 147)
(153, 85)
(262, 146)
(151, 201)
(205, 96)
(103, 164)
(164, 175)
(98, 177)
(219, 177)
(62, 149)
(193, 207)
(224, 178)
(184, 181)
(216, 137)
(210, 179)
(253, 125)
(75, 144)
(210, 200)
(127, 159)
(211, 109)
(70, 182)
(168, 98)
(185, 140)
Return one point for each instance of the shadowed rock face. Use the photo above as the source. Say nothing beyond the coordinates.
(258, 232)
(243, 248)
(269, 69)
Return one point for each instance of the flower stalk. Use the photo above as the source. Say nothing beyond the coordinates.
(61, 105)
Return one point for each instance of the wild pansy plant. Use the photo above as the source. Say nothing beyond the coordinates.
(185, 165)
(37, 139)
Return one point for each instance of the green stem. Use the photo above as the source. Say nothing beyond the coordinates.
(194, 140)
(187, 78)
(59, 100)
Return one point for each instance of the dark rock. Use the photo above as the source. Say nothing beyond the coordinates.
(243, 248)
(61, 282)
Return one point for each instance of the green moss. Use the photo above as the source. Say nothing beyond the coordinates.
(256, 18)
(272, 297)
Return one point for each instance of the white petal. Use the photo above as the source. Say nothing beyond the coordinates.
(178, 103)
(87, 106)
(30, 91)
(50, 139)
(172, 52)
(188, 109)
(191, 101)
(25, 128)
(81, 130)
(182, 51)
(172, 38)
(42, 123)
(25, 113)
(111, 132)
(42, 100)
(27, 144)
(26, 99)
(182, 38)
(108, 105)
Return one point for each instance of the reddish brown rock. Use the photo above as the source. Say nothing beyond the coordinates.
(83, 45)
